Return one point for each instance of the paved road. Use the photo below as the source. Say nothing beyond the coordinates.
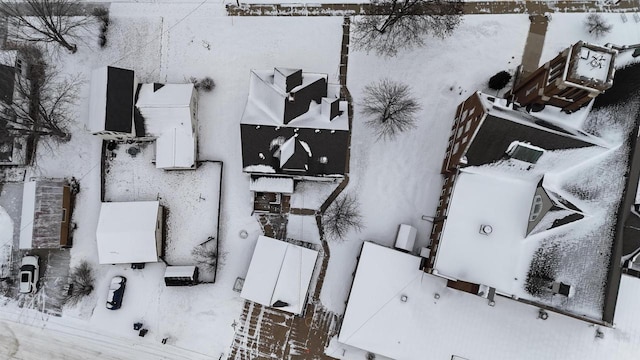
(481, 7)
(25, 342)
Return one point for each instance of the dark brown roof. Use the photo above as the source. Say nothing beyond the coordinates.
(332, 144)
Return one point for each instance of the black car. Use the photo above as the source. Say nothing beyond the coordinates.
(116, 291)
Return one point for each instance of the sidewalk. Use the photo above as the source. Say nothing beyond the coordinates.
(469, 8)
(534, 44)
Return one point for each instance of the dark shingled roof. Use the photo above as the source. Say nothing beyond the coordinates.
(496, 134)
(119, 110)
(7, 81)
(257, 140)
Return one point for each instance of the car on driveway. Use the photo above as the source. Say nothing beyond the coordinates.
(116, 291)
(29, 274)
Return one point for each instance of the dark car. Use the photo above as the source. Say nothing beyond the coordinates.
(116, 291)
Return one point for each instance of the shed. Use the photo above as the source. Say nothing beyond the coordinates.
(185, 275)
(406, 237)
(279, 274)
(130, 232)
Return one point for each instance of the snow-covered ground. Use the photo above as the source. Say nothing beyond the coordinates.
(396, 182)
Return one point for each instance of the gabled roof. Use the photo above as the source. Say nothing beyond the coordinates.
(126, 232)
(316, 139)
(167, 114)
(7, 82)
(503, 125)
(279, 271)
(111, 100)
(550, 210)
(42, 214)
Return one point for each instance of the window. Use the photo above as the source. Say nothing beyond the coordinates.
(64, 215)
(456, 148)
(536, 208)
(19, 65)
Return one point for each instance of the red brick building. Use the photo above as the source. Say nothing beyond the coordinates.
(570, 80)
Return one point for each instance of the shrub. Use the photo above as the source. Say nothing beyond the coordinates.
(205, 84)
(499, 80)
(206, 255)
(82, 281)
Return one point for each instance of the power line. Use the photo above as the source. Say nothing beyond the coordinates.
(162, 33)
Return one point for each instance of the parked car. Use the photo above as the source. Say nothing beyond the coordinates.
(29, 274)
(116, 291)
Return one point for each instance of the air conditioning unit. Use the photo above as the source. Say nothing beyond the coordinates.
(486, 229)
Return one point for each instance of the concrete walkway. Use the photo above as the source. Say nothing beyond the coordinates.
(534, 44)
(481, 7)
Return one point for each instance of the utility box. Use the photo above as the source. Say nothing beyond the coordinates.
(181, 275)
(406, 238)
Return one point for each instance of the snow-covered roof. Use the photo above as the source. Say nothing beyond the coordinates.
(179, 271)
(8, 57)
(594, 63)
(266, 104)
(168, 115)
(272, 184)
(279, 271)
(28, 214)
(111, 100)
(376, 318)
(499, 259)
(126, 232)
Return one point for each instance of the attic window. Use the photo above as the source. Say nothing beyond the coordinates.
(524, 152)
(536, 208)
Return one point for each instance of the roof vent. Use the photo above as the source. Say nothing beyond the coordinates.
(486, 229)
(323, 160)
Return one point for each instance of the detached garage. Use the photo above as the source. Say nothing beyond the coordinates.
(130, 232)
(279, 275)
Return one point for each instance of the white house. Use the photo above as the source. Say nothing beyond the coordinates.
(279, 275)
(130, 232)
(111, 103)
(169, 113)
(122, 109)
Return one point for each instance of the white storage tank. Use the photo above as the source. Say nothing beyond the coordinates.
(406, 237)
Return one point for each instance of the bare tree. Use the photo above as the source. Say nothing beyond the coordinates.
(391, 108)
(82, 281)
(206, 255)
(43, 99)
(49, 21)
(342, 216)
(597, 26)
(403, 24)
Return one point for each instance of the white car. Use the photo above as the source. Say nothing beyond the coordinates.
(29, 274)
